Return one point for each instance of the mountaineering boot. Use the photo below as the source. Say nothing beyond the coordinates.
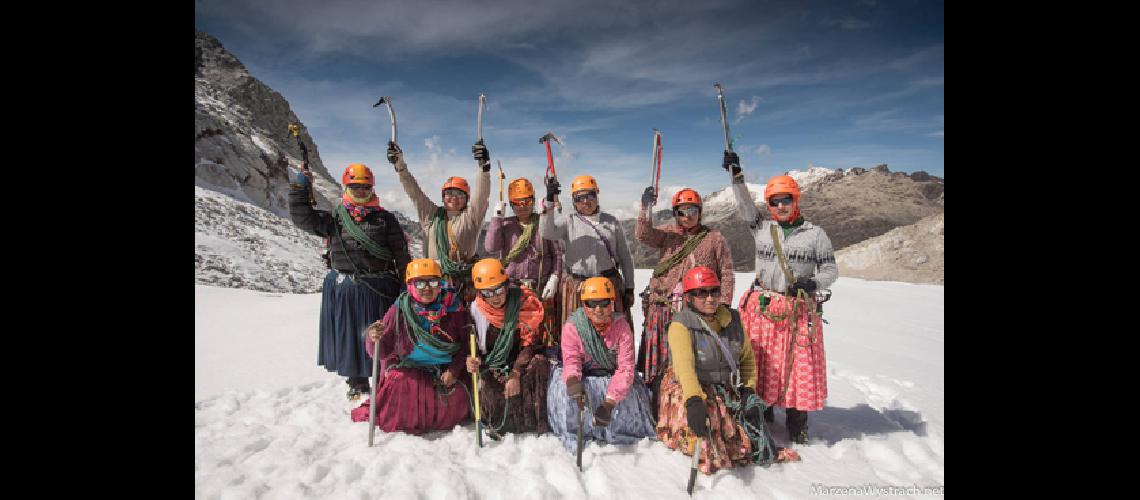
(768, 416)
(357, 388)
(797, 425)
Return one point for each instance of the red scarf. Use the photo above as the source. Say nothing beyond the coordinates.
(359, 211)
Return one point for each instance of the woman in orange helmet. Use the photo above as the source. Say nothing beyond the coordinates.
(780, 311)
(367, 252)
(593, 242)
(451, 231)
(531, 260)
(423, 345)
(684, 244)
(510, 349)
(597, 375)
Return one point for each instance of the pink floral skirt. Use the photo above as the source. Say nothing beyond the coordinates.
(771, 328)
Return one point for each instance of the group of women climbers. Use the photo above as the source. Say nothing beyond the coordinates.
(554, 336)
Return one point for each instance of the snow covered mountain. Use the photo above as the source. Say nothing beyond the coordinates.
(244, 160)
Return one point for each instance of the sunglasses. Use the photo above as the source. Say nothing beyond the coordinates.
(785, 200)
(422, 284)
(595, 304)
(493, 292)
(701, 293)
(454, 193)
(686, 211)
(579, 198)
(526, 202)
(359, 186)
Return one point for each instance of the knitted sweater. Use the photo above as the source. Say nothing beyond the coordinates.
(583, 252)
(807, 248)
(466, 223)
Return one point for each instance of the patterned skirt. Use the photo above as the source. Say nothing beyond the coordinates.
(409, 401)
(632, 418)
(771, 330)
(727, 445)
(525, 412)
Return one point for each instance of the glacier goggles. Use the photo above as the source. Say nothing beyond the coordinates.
(494, 291)
(587, 196)
(691, 211)
(422, 284)
(780, 200)
(525, 202)
(596, 304)
(701, 293)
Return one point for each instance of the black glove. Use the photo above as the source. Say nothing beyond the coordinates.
(805, 284)
(394, 152)
(753, 414)
(627, 298)
(697, 414)
(482, 156)
(576, 392)
(648, 197)
(605, 413)
(731, 163)
(552, 189)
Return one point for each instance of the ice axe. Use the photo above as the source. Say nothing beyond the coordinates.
(502, 177)
(475, 392)
(693, 467)
(479, 119)
(550, 173)
(375, 390)
(655, 168)
(391, 114)
(724, 121)
(296, 131)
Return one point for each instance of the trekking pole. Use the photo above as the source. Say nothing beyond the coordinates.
(550, 173)
(375, 389)
(391, 114)
(693, 468)
(475, 391)
(296, 131)
(655, 168)
(724, 121)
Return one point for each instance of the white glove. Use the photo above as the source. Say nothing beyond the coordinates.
(500, 208)
(551, 287)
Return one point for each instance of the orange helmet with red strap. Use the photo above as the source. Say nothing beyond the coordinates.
(783, 184)
(357, 173)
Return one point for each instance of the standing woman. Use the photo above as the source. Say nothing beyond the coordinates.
(451, 231)
(367, 253)
(510, 349)
(685, 244)
(531, 259)
(708, 389)
(593, 243)
(793, 260)
(422, 352)
(597, 375)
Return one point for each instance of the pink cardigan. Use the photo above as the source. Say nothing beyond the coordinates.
(617, 337)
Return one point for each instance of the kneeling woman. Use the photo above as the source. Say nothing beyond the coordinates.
(507, 320)
(598, 375)
(422, 354)
(709, 389)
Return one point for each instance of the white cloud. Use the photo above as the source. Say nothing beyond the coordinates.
(744, 109)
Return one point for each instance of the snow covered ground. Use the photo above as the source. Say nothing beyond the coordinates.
(270, 423)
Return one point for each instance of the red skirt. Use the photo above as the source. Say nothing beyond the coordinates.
(771, 330)
(408, 401)
(727, 445)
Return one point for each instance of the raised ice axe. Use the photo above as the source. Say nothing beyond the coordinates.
(391, 114)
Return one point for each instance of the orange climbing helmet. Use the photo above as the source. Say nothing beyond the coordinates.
(456, 183)
(422, 268)
(583, 182)
(783, 184)
(357, 173)
(488, 273)
(687, 195)
(520, 188)
(598, 287)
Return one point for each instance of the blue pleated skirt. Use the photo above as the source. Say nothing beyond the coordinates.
(632, 417)
(347, 308)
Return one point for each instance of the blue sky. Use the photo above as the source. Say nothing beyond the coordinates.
(831, 84)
